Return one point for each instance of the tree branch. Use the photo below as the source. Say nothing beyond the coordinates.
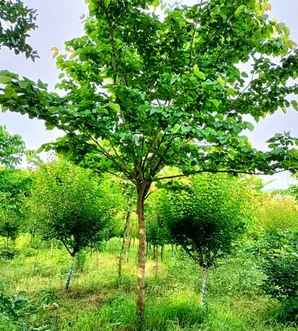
(230, 171)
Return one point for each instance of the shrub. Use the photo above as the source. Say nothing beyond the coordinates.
(279, 262)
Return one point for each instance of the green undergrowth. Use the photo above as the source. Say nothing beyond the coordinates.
(33, 297)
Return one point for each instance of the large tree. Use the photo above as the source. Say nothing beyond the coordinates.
(142, 91)
(16, 21)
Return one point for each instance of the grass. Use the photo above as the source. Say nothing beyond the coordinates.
(97, 301)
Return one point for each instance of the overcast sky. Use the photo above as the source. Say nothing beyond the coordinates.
(60, 20)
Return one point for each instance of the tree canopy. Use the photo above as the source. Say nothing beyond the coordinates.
(68, 205)
(142, 92)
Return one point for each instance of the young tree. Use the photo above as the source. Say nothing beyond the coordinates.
(279, 262)
(142, 91)
(67, 204)
(15, 185)
(206, 218)
(16, 21)
(129, 196)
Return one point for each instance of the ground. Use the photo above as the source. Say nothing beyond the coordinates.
(97, 301)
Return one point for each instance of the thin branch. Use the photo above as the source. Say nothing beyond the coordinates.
(219, 171)
(111, 173)
(110, 157)
(67, 248)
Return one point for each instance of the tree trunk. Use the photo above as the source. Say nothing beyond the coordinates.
(128, 248)
(204, 287)
(155, 257)
(52, 248)
(124, 240)
(162, 252)
(142, 190)
(148, 249)
(70, 273)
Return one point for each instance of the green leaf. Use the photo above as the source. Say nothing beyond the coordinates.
(295, 104)
(115, 107)
(221, 81)
(198, 72)
(244, 74)
(107, 3)
(6, 76)
(155, 3)
(215, 102)
(240, 10)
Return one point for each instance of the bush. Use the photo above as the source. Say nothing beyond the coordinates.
(16, 312)
(279, 262)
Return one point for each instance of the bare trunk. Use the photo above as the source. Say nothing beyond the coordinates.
(148, 249)
(52, 248)
(162, 252)
(70, 273)
(142, 190)
(155, 257)
(124, 242)
(128, 249)
(204, 287)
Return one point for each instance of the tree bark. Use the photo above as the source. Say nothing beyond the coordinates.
(70, 273)
(162, 252)
(142, 190)
(155, 258)
(124, 242)
(204, 287)
(52, 248)
(127, 250)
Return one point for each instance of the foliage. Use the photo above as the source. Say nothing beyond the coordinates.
(11, 148)
(16, 21)
(7, 254)
(208, 216)
(16, 313)
(141, 92)
(15, 185)
(68, 204)
(157, 231)
(276, 212)
(280, 265)
(293, 190)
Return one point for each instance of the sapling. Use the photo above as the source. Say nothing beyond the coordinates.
(206, 217)
(69, 205)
